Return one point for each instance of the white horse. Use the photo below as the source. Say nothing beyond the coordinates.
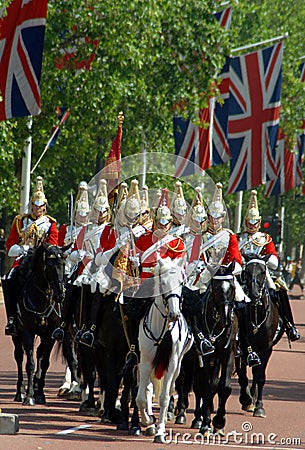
(164, 338)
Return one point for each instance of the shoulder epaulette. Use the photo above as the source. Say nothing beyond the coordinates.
(51, 218)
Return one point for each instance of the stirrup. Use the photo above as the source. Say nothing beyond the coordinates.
(87, 338)
(253, 359)
(10, 328)
(80, 333)
(58, 334)
(293, 334)
(205, 345)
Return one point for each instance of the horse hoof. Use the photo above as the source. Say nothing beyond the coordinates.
(196, 423)
(248, 408)
(220, 432)
(62, 392)
(122, 426)
(150, 431)
(18, 397)
(180, 420)
(170, 416)
(259, 412)
(88, 411)
(40, 399)
(28, 401)
(134, 431)
(206, 432)
(74, 396)
(160, 439)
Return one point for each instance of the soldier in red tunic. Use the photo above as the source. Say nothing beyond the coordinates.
(253, 241)
(26, 232)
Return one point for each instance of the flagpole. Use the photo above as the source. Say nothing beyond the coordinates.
(45, 149)
(268, 41)
(26, 170)
(238, 209)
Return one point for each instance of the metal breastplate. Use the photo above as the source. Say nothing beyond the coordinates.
(216, 253)
(252, 244)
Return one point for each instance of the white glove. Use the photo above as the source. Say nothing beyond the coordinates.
(272, 262)
(237, 269)
(135, 260)
(77, 255)
(17, 250)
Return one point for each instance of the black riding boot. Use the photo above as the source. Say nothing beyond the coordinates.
(10, 301)
(88, 337)
(245, 336)
(132, 329)
(281, 299)
(204, 346)
(67, 312)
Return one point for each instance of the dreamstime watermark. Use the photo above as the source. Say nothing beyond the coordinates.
(247, 436)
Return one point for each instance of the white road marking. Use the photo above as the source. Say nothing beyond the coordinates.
(71, 430)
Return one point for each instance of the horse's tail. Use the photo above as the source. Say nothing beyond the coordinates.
(161, 360)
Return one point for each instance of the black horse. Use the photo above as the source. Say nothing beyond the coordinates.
(213, 372)
(263, 318)
(41, 277)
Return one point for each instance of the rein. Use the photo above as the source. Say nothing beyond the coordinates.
(216, 317)
(255, 303)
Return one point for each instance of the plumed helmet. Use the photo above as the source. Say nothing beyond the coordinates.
(101, 202)
(38, 197)
(216, 208)
(82, 202)
(252, 214)
(178, 203)
(132, 208)
(144, 200)
(163, 213)
(198, 212)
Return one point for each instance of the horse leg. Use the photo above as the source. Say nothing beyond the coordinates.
(168, 386)
(127, 382)
(18, 355)
(205, 428)
(112, 380)
(197, 389)
(87, 369)
(245, 397)
(259, 375)
(224, 391)
(43, 363)
(28, 343)
(74, 391)
(145, 369)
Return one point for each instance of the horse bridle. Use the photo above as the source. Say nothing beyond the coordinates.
(257, 302)
(227, 327)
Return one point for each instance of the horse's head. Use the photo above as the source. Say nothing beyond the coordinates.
(170, 275)
(254, 276)
(50, 259)
(222, 292)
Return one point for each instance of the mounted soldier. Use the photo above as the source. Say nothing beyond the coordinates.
(178, 210)
(27, 231)
(252, 241)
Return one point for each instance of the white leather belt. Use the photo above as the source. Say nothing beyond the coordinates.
(148, 269)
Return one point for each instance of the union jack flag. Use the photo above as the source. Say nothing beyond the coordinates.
(286, 163)
(193, 143)
(21, 47)
(220, 145)
(254, 111)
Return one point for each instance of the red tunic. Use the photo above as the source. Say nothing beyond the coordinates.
(232, 251)
(15, 236)
(173, 249)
